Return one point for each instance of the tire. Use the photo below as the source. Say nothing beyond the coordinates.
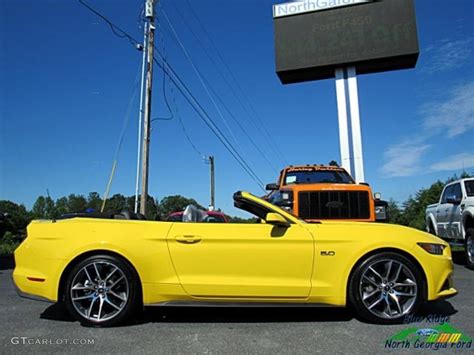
(431, 229)
(469, 254)
(102, 290)
(385, 288)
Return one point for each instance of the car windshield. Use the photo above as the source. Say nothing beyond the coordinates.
(259, 210)
(214, 218)
(318, 177)
(469, 184)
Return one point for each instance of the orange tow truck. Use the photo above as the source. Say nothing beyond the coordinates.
(326, 192)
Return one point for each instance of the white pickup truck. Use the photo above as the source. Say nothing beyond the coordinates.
(452, 218)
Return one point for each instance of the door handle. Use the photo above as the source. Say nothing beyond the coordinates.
(188, 239)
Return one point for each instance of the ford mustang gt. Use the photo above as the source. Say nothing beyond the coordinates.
(106, 270)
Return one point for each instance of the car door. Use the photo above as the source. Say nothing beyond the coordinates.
(453, 221)
(442, 212)
(231, 260)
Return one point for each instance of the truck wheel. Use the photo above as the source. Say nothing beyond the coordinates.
(470, 248)
(431, 229)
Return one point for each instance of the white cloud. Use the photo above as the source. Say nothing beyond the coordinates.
(449, 118)
(454, 116)
(447, 54)
(455, 162)
(404, 159)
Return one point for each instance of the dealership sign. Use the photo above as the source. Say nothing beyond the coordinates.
(303, 6)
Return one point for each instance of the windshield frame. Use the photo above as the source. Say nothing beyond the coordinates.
(345, 177)
(470, 190)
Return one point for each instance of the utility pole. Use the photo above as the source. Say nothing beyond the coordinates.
(149, 14)
(212, 206)
(140, 118)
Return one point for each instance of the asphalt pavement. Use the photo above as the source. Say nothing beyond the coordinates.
(31, 326)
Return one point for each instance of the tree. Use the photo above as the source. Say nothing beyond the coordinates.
(116, 203)
(175, 203)
(13, 218)
(414, 208)
(62, 206)
(394, 212)
(242, 220)
(76, 203)
(39, 208)
(94, 201)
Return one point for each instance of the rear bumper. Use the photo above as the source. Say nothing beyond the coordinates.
(28, 295)
(36, 274)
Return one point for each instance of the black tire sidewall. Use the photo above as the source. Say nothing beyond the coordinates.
(133, 298)
(356, 302)
(469, 235)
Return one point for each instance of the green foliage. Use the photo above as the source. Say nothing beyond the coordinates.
(17, 218)
(94, 201)
(241, 220)
(76, 203)
(394, 212)
(413, 210)
(175, 203)
(8, 243)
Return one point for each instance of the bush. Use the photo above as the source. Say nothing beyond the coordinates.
(8, 244)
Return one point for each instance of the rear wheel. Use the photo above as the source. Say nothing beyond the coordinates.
(102, 290)
(470, 248)
(385, 288)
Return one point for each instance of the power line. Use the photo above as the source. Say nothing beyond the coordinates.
(115, 29)
(178, 115)
(200, 76)
(256, 115)
(217, 67)
(187, 94)
(202, 113)
(122, 135)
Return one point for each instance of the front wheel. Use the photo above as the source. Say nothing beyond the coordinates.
(102, 290)
(385, 288)
(470, 248)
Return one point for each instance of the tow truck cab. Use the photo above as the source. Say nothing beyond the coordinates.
(326, 192)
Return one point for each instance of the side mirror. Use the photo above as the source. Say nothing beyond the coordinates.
(272, 187)
(453, 199)
(277, 220)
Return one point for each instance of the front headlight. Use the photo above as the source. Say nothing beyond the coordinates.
(435, 249)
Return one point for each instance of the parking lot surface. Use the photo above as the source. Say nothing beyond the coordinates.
(28, 326)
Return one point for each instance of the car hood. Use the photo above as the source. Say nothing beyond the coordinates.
(381, 231)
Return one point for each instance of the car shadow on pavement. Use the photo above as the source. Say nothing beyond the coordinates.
(7, 262)
(459, 258)
(57, 312)
(438, 309)
(243, 314)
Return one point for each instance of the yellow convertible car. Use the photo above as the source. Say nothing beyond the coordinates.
(107, 270)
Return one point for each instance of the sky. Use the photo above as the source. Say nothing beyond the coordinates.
(68, 89)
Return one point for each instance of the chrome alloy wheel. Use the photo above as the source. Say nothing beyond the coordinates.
(388, 288)
(99, 291)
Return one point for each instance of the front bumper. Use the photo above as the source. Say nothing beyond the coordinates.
(439, 272)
